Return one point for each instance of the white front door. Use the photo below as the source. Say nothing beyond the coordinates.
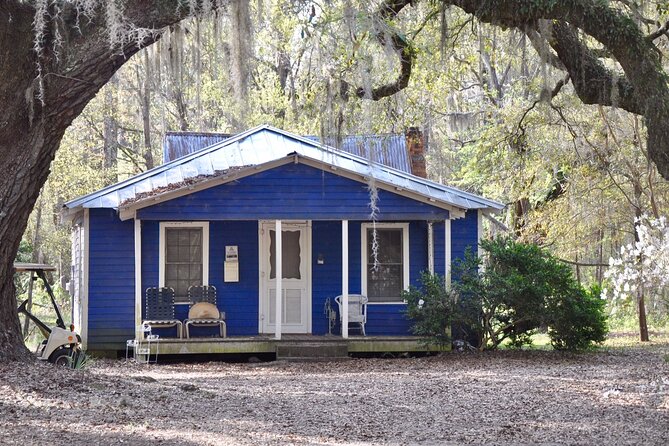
(296, 296)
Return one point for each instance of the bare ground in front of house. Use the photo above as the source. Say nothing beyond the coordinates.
(616, 396)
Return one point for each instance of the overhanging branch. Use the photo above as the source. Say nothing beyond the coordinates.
(661, 31)
(593, 82)
(384, 33)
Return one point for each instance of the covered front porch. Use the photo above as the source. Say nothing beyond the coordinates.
(320, 260)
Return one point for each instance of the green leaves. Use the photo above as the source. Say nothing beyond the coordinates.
(578, 320)
(432, 309)
(523, 289)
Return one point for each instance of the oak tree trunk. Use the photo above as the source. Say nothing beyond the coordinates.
(31, 129)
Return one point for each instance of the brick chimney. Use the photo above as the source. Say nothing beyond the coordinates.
(416, 148)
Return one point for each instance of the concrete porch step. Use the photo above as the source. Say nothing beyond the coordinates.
(311, 350)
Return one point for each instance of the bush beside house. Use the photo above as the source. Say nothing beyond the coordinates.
(521, 289)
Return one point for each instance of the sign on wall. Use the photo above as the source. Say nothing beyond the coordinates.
(231, 265)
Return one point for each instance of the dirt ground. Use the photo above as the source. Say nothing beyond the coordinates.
(617, 396)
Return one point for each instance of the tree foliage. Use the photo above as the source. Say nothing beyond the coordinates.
(432, 309)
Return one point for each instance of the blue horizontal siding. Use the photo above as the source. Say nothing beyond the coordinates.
(239, 300)
(326, 278)
(439, 231)
(293, 191)
(386, 319)
(111, 289)
(417, 250)
(464, 236)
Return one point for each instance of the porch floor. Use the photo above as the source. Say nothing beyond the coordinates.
(268, 344)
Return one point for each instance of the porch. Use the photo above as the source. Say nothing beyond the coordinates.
(291, 345)
(321, 259)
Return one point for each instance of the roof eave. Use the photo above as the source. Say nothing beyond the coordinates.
(81, 201)
(455, 210)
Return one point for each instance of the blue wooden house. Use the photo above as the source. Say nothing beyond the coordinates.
(210, 217)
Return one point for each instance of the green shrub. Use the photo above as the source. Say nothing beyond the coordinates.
(79, 360)
(522, 289)
(578, 320)
(431, 309)
(520, 340)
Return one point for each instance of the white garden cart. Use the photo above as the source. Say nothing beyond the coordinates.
(61, 346)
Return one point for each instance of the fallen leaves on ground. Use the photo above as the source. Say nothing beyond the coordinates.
(620, 396)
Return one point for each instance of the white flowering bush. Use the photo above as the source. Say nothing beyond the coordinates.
(643, 265)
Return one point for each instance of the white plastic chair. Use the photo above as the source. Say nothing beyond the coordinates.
(357, 310)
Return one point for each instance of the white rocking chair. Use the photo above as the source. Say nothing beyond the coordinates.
(357, 310)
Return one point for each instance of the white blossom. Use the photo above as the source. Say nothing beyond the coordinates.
(643, 264)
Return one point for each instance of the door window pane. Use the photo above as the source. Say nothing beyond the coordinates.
(291, 255)
(385, 278)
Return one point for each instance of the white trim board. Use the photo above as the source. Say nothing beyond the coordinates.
(138, 279)
(363, 256)
(84, 289)
(205, 247)
(447, 252)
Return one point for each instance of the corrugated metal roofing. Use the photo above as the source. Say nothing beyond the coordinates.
(180, 144)
(266, 144)
(388, 149)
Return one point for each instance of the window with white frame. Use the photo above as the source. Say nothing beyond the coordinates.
(385, 261)
(184, 256)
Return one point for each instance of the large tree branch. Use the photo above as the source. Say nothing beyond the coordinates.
(542, 48)
(661, 31)
(593, 82)
(386, 34)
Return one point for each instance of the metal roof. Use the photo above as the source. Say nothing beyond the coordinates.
(265, 144)
(389, 149)
(179, 144)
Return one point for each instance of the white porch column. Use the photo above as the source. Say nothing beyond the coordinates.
(430, 247)
(138, 279)
(344, 279)
(447, 252)
(278, 254)
(479, 234)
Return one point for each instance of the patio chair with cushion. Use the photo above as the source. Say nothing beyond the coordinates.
(159, 309)
(204, 312)
(357, 310)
